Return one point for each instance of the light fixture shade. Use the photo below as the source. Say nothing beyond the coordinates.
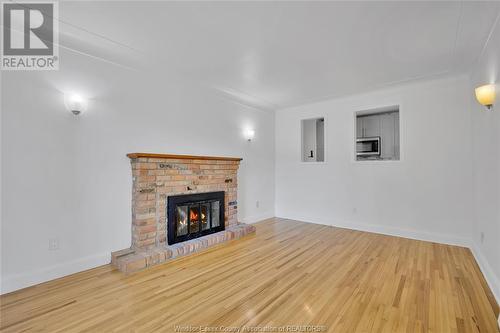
(249, 134)
(75, 103)
(485, 95)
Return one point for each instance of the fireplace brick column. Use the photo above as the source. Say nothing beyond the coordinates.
(157, 176)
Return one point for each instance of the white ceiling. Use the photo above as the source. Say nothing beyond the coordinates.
(278, 54)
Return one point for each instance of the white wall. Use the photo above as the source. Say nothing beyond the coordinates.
(486, 166)
(425, 195)
(67, 177)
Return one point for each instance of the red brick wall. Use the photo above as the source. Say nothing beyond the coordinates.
(154, 179)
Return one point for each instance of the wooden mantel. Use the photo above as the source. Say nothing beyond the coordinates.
(182, 157)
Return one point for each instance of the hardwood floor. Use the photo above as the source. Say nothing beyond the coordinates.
(289, 273)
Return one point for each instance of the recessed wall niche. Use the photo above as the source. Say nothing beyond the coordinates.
(377, 134)
(313, 140)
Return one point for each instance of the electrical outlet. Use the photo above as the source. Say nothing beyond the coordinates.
(482, 237)
(53, 244)
(257, 204)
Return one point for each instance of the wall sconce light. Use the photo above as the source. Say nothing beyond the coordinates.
(75, 103)
(249, 134)
(485, 95)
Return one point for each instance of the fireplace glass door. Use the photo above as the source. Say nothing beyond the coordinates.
(205, 216)
(182, 220)
(194, 215)
(215, 211)
(194, 219)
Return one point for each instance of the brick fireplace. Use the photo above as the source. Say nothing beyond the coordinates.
(156, 178)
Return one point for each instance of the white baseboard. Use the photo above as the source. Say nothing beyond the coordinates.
(18, 281)
(258, 218)
(392, 231)
(489, 275)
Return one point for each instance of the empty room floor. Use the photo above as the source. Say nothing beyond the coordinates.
(289, 273)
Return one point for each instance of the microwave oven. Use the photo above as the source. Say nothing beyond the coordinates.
(368, 146)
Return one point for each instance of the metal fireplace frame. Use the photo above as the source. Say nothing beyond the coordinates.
(193, 199)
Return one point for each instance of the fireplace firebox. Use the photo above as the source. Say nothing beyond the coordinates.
(194, 215)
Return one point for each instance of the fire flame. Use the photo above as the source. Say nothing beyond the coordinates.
(193, 216)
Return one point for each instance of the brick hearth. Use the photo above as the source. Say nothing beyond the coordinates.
(157, 176)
